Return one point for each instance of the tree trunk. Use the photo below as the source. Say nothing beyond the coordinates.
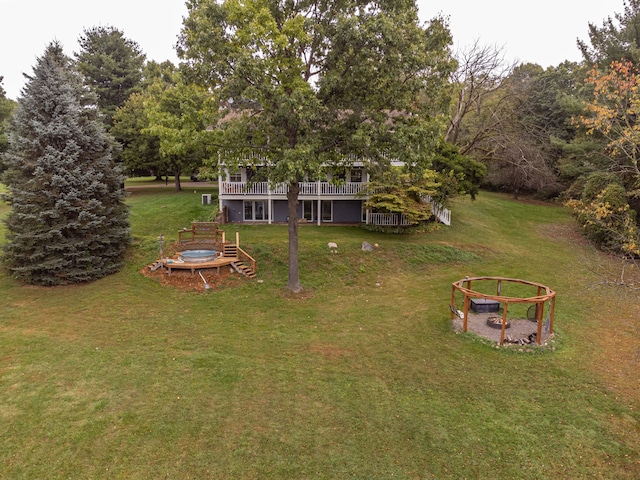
(177, 179)
(294, 271)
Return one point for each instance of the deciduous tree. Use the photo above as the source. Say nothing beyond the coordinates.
(605, 216)
(6, 109)
(309, 83)
(179, 115)
(481, 72)
(612, 114)
(398, 192)
(140, 149)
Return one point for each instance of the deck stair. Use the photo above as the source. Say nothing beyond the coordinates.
(231, 250)
(243, 269)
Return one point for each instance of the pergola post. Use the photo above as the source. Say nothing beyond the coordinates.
(466, 313)
(504, 322)
(539, 312)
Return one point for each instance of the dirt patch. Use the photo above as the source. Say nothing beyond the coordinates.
(303, 294)
(329, 351)
(520, 330)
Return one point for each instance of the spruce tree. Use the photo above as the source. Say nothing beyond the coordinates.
(68, 222)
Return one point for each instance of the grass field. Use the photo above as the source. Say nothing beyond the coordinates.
(360, 377)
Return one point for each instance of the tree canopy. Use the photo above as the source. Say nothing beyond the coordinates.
(6, 109)
(313, 83)
(111, 65)
(618, 39)
(68, 221)
(179, 116)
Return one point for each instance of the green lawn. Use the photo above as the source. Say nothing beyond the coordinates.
(361, 377)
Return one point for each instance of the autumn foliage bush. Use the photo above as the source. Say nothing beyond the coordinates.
(605, 215)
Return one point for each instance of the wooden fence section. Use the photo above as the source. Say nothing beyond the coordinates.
(200, 231)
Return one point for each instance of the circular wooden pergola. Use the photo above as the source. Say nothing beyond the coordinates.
(544, 295)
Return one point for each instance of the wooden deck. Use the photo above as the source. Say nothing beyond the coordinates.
(207, 236)
(174, 263)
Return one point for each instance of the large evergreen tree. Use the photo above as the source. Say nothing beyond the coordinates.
(68, 223)
(112, 66)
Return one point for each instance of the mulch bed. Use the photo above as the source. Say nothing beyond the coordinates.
(184, 280)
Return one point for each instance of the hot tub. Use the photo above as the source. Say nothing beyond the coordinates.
(198, 256)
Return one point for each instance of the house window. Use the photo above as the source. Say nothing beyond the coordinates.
(248, 210)
(254, 211)
(327, 210)
(235, 177)
(356, 175)
(307, 210)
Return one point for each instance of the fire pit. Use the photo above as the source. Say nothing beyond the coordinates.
(198, 256)
(496, 322)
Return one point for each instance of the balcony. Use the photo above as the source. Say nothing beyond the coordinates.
(315, 189)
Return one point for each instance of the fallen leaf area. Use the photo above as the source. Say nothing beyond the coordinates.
(185, 280)
(216, 279)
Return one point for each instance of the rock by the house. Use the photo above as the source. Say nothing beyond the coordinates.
(367, 247)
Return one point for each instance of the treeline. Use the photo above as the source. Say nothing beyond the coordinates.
(567, 132)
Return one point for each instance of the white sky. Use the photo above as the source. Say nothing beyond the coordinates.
(541, 31)
(538, 31)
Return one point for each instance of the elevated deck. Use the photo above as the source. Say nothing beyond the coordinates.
(174, 263)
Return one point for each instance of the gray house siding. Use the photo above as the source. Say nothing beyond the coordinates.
(344, 211)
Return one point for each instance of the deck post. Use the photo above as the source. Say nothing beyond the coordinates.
(238, 239)
(220, 205)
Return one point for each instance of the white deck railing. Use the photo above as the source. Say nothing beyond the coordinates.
(441, 213)
(319, 189)
(306, 188)
(387, 219)
(391, 219)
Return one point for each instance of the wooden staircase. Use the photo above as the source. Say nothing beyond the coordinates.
(231, 251)
(243, 269)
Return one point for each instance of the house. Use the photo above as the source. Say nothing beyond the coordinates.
(333, 199)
